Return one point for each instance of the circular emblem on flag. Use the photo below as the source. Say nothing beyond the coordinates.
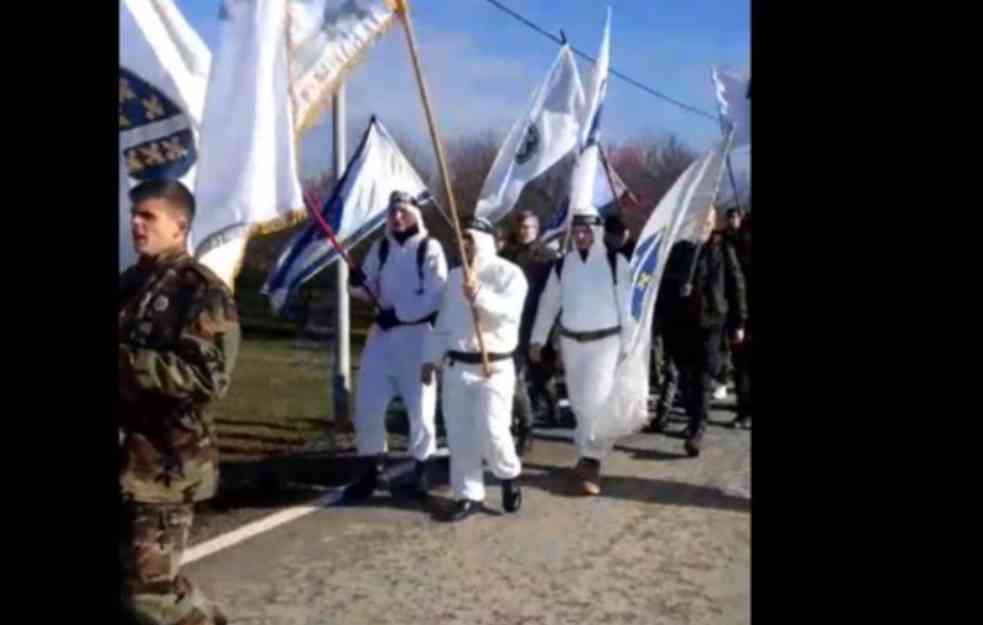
(530, 144)
(160, 304)
(154, 132)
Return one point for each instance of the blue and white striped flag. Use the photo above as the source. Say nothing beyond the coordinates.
(356, 208)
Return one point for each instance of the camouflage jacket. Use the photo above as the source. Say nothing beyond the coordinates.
(178, 342)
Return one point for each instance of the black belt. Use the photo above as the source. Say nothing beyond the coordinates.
(584, 337)
(474, 358)
(431, 319)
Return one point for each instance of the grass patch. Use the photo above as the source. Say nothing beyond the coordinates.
(280, 399)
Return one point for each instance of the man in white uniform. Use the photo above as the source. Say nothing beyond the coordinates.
(406, 272)
(478, 409)
(587, 285)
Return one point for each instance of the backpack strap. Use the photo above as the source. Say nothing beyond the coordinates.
(612, 263)
(421, 256)
(383, 252)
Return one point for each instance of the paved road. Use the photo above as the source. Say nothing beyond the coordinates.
(668, 541)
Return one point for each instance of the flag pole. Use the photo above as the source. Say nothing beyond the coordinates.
(733, 185)
(723, 133)
(343, 371)
(688, 287)
(313, 208)
(402, 7)
(607, 174)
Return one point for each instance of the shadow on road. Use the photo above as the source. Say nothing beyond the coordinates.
(560, 481)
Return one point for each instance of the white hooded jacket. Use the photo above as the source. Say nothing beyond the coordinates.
(585, 297)
(398, 285)
(501, 295)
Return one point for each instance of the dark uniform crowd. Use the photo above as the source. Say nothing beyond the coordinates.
(179, 339)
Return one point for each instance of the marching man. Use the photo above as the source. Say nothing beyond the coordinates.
(406, 272)
(478, 409)
(586, 285)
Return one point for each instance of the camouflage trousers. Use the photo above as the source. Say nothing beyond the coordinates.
(152, 543)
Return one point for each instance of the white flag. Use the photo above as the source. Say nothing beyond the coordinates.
(163, 74)
(276, 62)
(734, 99)
(248, 166)
(590, 130)
(678, 216)
(327, 38)
(588, 169)
(540, 137)
(357, 207)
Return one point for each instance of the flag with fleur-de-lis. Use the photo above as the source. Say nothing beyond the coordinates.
(163, 75)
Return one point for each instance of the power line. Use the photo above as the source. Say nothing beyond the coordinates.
(583, 54)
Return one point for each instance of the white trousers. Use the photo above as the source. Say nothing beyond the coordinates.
(390, 367)
(589, 369)
(478, 416)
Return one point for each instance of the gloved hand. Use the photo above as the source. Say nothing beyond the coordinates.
(356, 277)
(387, 318)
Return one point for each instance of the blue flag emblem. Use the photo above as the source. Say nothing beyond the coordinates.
(644, 274)
(155, 133)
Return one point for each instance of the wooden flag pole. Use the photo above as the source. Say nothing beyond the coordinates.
(402, 6)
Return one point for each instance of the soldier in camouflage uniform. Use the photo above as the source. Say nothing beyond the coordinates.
(178, 341)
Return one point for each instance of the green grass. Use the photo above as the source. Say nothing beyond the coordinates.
(280, 399)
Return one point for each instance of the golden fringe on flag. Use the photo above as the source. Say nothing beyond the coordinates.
(324, 50)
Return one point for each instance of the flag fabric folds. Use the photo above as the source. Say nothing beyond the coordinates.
(734, 100)
(276, 64)
(356, 208)
(163, 66)
(588, 181)
(544, 134)
(327, 38)
(678, 216)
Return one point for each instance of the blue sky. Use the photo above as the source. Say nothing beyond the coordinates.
(482, 65)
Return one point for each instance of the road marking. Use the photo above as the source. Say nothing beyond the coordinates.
(265, 524)
(277, 519)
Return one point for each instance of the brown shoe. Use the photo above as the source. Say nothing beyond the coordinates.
(589, 476)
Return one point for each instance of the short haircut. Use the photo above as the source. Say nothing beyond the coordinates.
(176, 194)
(524, 215)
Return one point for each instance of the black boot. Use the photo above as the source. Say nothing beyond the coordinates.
(694, 439)
(523, 439)
(661, 420)
(362, 488)
(421, 479)
(511, 496)
(462, 509)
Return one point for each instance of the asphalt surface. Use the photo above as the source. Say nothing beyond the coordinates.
(667, 541)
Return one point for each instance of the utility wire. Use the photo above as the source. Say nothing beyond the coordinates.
(562, 40)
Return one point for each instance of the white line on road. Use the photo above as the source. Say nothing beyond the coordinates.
(265, 524)
(255, 528)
